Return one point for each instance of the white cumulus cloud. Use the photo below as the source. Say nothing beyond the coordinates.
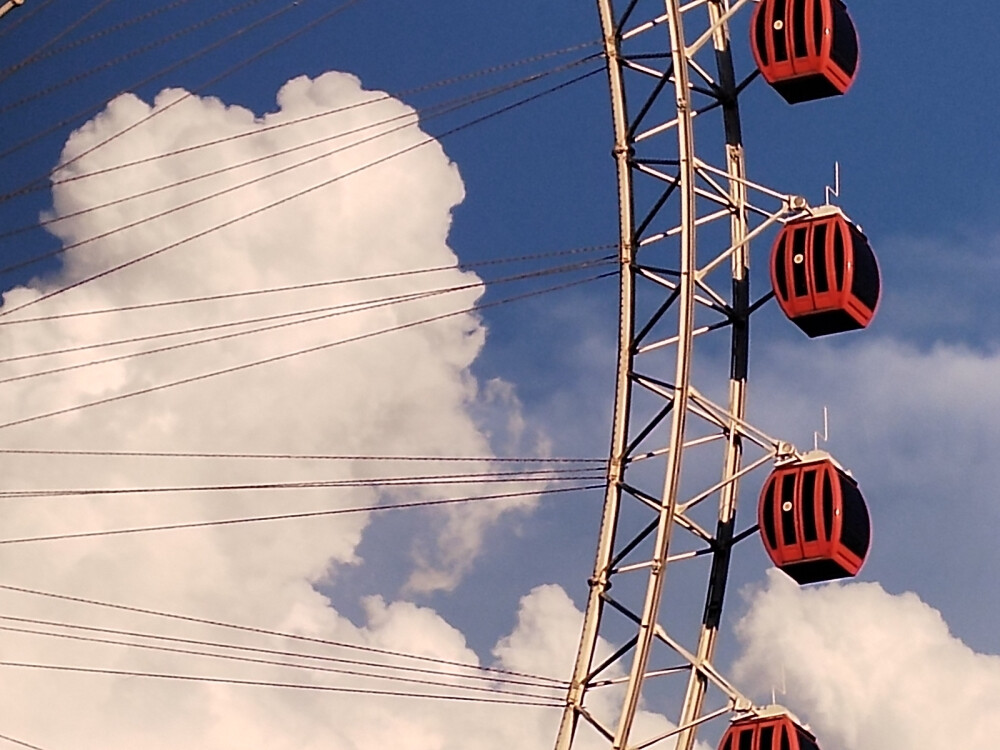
(406, 393)
(867, 669)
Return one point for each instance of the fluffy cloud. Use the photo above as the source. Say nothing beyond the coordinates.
(868, 669)
(888, 399)
(409, 392)
(922, 275)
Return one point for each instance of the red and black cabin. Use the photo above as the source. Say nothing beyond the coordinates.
(813, 520)
(824, 273)
(806, 49)
(776, 731)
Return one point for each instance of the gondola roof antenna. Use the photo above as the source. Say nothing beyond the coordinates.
(835, 190)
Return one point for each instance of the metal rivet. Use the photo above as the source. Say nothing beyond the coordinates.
(786, 506)
(799, 258)
(779, 25)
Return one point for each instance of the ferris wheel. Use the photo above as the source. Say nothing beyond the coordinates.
(681, 442)
(688, 213)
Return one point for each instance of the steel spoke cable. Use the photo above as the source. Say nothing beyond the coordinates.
(50, 51)
(411, 119)
(310, 667)
(463, 266)
(492, 477)
(413, 91)
(409, 505)
(336, 10)
(37, 55)
(316, 314)
(117, 607)
(357, 105)
(325, 312)
(277, 663)
(405, 120)
(328, 310)
(298, 456)
(22, 743)
(296, 353)
(24, 16)
(125, 57)
(405, 296)
(586, 475)
(305, 191)
(42, 183)
(541, 700)
(305, 656)
(42, 180)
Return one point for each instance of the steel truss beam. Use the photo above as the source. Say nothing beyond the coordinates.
(683, 221)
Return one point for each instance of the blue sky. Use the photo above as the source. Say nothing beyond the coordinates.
(911, 399)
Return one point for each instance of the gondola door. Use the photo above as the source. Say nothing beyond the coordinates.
(791, 546)
(826, 261)
(795, 30)
(814, 542)
(808, 35)
(775, 19)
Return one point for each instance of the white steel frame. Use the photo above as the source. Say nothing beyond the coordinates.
(9, 6)
(669, 47)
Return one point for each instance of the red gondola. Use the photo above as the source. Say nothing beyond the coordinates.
(813, 520)
(772, 729)
(824, 273)
(806, 49)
